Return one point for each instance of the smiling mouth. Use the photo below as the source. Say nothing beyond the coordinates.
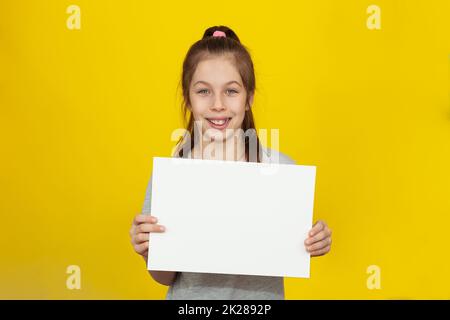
(218, 123)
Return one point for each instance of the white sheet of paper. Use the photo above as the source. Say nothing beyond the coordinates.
(231, 217)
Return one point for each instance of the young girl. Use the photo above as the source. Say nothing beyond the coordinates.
(218, 83)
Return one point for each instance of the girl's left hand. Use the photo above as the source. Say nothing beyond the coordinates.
(319, 239)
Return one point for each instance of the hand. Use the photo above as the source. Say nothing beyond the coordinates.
(140, 233)
(318, 242)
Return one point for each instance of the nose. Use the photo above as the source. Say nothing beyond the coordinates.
(218, 104)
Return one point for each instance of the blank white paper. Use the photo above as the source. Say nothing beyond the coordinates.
(231, 217)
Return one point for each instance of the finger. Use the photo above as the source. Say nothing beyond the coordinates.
(321, 252)
(318, 237)
(141, 248)
(144, 218)
(141, 237)
(133, 227)
(319, 245)
(149, 227)
(318, 226)
(141, 218)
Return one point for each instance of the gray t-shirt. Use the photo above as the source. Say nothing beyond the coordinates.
(199, 286)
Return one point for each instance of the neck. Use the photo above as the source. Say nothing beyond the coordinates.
(231, 149)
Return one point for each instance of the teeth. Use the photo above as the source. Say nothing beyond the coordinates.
(218, 122)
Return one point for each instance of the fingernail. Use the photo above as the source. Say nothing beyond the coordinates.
(161, 228)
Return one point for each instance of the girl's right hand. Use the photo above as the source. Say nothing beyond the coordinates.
(140, 230)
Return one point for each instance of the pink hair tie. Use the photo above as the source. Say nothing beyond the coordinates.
(219, 34)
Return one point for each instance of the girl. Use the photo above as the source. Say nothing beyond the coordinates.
(218, 84)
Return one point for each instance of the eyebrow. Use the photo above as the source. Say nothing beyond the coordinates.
(229, 82)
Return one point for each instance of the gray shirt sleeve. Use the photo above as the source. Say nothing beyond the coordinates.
(148, 197)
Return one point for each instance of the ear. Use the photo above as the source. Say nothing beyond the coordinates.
(250, 100)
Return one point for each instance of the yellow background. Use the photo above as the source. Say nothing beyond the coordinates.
(84, 111)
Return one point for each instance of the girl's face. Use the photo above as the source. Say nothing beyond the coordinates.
(218, 97)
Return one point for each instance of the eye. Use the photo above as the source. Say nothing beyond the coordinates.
(232, 91)
(203, 91)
